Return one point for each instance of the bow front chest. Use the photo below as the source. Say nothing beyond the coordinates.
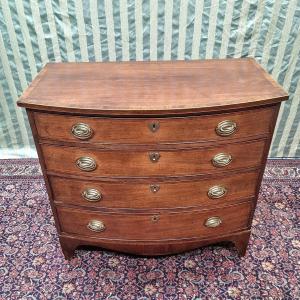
(153, 158)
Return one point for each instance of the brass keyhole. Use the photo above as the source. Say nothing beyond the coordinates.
(155, 218)
(154, 188)
(154, 156)
(154, 126)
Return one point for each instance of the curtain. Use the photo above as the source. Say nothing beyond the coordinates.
(34, 32)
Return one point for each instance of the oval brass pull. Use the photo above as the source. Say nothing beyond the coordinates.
(216, 191)
(221, 160)
(82, 131)
(153, 126)
(154, 156)
(154, 188)
(86, 164)
(96, 225)
(92, 195)
(213, 222)
(226, 128)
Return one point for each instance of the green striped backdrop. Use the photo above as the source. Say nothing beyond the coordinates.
(34, 32)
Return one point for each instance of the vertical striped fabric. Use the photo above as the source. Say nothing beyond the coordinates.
(35, 32)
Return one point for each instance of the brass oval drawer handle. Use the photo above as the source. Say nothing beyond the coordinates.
(154, 156)
(216, 191)
(154, 126)
(213, 222)
(226, 128)
(91, 195)
(221, 160)
(86, 163)
(96, 225)
(82, 131)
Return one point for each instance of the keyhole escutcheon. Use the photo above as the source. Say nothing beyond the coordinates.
(154, 126)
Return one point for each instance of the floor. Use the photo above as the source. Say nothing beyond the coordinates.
(32, 265)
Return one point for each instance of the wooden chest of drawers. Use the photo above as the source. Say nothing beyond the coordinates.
(153, 158)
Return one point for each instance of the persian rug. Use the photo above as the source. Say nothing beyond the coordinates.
(32, 265)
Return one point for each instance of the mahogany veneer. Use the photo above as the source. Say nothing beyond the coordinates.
(163, 226)
(136, 163)
(153, 158)
(171, 130)
(129, 194)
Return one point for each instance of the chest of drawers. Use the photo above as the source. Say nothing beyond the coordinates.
(153, 158)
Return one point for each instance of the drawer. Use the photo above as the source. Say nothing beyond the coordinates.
(171, 225)
(130, 163)
(144, 130)
(132, 194)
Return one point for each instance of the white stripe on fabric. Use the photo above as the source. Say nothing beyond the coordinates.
(197, 29)
(139, 29)
(39, 31)
(12, 88)
(26, 38)
(153, 29)
(168, 29)
(5, 152)
(67, 30)
(292, 65)
(3, 143)
(24, 152)
(81, 30)
(182, 29)
(287, 82)
(290, 121)
(241, 31)
(110, 30)
(7, 118)
(226, 28)
(124, 29)
(212, 26)
(96, 30)
(292, 6)
(14, 44)
(296, 142)
(53, 32)
(256, 29)
(271, 30)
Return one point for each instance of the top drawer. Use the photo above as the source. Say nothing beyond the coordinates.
(93, 130)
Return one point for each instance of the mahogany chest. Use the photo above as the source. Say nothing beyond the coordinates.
(153, 158)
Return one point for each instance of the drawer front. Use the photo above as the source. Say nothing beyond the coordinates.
(186, 224)
(91, 162)
(154, 194)
(148, 131)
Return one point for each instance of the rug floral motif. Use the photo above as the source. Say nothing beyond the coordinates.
(32, 265)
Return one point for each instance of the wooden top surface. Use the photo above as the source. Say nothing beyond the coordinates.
(149, 88)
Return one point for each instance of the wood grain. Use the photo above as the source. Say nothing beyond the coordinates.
(250, 123)
(140, 226)
(118, 101)
(139, 88)
(137, 163)
(135, 195)
(153, 248)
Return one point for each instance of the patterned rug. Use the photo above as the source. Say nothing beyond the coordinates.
(32, 265)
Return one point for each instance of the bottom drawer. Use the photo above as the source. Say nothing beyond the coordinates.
(147, 226)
